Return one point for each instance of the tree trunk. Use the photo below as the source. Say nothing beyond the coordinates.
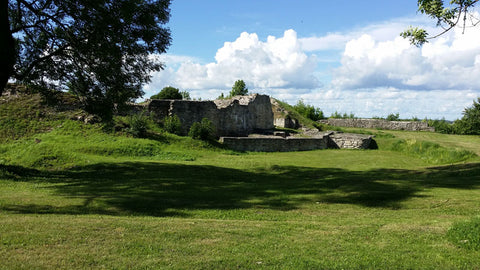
(7, 47)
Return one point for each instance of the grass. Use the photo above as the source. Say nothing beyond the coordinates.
(76, 197)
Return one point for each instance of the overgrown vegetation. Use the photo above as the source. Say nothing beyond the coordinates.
(172, 124)
(430, 152)
(308, 111)
(203, 130)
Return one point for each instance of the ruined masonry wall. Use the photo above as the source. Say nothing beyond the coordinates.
(380, 124)
(238, 116)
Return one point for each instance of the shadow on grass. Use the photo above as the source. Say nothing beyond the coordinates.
(156, 189)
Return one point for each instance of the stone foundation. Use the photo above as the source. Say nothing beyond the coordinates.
(290, 144)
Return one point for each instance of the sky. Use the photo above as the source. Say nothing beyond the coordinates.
(340, 56)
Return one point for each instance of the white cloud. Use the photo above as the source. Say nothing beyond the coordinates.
(450, 62)
(374, 71)
(274, 63)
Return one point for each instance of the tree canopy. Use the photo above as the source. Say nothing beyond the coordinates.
(448, 16)
(98, 49)
(168, 92)
(239, 89)
(470, 122)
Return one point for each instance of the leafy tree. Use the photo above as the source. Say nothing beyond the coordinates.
(168, 92)
(470, 122)
(185, 95)
(393, 117)
(239, 89)
(447, 16)
(308, 111)
(97, 49)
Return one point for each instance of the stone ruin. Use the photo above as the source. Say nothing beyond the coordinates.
(247, 123)
(380, 124)
(238, 116)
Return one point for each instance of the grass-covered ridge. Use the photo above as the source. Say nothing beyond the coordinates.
(76, 195)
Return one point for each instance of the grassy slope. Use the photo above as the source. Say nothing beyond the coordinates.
(176, 203)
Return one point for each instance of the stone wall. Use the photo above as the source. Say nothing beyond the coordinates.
(274, 144)
(380, 124)
(288, 144)
(350, 141)
(238, 116)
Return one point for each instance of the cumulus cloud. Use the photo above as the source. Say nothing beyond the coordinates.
(371, 71)
(450, 62)
(274, 63)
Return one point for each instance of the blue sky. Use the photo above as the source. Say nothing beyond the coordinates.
(343, 56)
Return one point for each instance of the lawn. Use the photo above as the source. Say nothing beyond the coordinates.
(181, 204)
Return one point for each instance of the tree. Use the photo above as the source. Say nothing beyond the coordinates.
(168, 92)
(185, 95)
(239, 89)
(470, 122)
(98, 49)
(447, 16)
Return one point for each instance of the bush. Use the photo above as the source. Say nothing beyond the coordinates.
(172, 124)
(308, 111)
(393, 117)
(203, 130)
(138, 125)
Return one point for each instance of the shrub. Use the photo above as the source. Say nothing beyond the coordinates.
(138, 125)
(308, 111)
(203, 130)
(172, 124)
(393, 117)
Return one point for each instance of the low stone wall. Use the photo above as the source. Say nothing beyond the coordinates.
(290, 144)
(380, 124)
(350, 141)
(274, 144)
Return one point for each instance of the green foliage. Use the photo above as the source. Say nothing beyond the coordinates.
(466, 234)
(185, 95)
(139, 123)
(342, 116)
(308, 111)
(393, 117)
(442, 126)
(430, 152)
(304, 121)
(417, 36)
(172, 124)
(470, 122)
(203, 130)
(446, 17)
(168, 92)
(99, 50)
(238, 89)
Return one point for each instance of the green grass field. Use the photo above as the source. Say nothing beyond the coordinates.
(76, 197)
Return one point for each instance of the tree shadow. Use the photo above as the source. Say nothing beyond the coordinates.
(162, 189)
